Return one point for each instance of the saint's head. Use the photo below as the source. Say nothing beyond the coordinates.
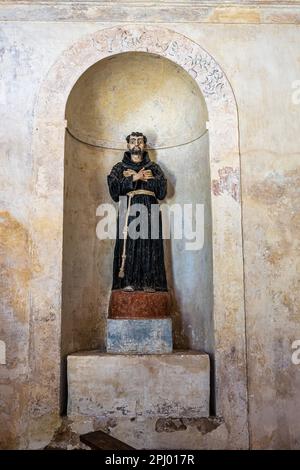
(136, 144)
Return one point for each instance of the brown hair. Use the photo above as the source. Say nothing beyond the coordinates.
(136, 134)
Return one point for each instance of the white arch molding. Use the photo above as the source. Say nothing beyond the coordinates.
(47, 205)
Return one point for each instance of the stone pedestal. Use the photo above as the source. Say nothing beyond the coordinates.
(139, 336)
(139, 322)
(151, 386)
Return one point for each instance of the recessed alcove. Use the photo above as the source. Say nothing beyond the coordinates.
(120, 94)
(117, 95)
(84, 283)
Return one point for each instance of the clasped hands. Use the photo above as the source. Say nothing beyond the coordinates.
(143, 175)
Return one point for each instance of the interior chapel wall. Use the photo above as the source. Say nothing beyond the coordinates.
(261, 63)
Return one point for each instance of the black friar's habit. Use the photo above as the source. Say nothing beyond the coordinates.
(144, 262)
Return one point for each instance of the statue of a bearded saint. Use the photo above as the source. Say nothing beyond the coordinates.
(138, 260)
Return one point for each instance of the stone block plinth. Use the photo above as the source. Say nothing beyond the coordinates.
(139, 336)
(119, 385)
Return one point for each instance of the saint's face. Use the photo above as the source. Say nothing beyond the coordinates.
(136, 147)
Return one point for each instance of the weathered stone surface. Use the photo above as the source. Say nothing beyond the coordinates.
(139, 336)
(139, 304)
(2, 352)
(178, 11)
(145, 433)
(113, 385)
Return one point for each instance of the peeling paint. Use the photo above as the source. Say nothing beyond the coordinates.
(203, 425)
(227, 183)
(17, 267)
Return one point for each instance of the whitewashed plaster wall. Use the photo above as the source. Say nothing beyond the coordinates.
(262, 63)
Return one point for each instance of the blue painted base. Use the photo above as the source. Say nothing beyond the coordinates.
(139, 336)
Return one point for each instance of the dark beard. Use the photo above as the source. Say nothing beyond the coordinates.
(135, 151)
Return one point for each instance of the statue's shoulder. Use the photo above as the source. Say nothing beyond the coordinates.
(152, 164)
(155, 167)
(117, 167)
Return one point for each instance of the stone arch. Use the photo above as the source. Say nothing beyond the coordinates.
(47, 211)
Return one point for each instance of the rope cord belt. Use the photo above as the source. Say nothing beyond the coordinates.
(125, 230)
(141, 191)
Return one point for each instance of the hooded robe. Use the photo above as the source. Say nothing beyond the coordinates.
(144, 263)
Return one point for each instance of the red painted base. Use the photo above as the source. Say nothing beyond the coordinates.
(139, 304)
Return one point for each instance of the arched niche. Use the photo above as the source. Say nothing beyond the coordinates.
(124, 92)
(46, 229)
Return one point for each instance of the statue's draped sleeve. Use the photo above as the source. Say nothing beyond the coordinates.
(158, 184)
(118, 184)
